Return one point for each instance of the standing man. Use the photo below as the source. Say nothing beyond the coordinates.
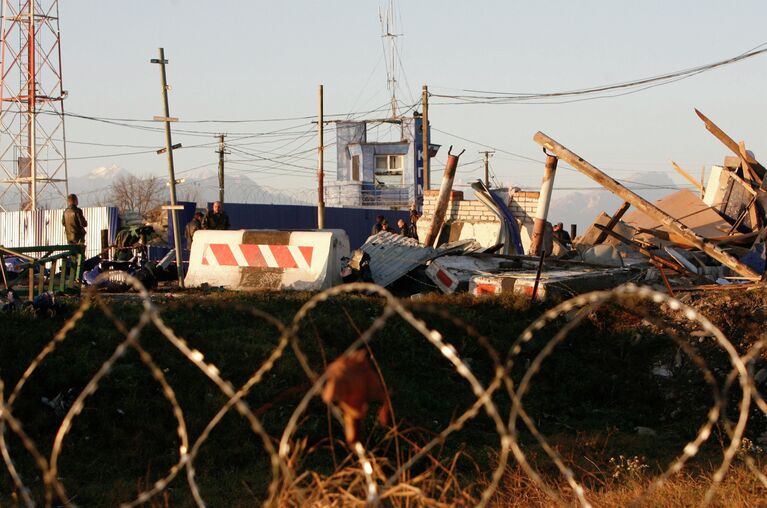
(562, 236)
(403, 229)
(216, 219)
(192, 226)
(74, 223)
(378, 226)
(412, 230)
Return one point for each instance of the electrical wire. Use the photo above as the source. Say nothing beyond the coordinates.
(638, 85)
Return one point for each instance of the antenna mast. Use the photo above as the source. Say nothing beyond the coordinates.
(389, 35)
(32, 140)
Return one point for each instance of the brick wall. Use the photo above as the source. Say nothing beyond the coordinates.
(522, 205)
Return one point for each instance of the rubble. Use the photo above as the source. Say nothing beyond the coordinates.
(711, 237)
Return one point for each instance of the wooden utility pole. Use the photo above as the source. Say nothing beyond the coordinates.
(425, 137)
(321, 163)
(487, 154)
(670, 223)
(221, 151)
(171, 173)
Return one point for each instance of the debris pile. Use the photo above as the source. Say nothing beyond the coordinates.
(712, 237)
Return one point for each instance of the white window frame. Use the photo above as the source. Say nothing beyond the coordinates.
(391, 174)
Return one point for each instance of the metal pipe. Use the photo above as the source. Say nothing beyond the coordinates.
(544, 200)
(443, 199)
(32, 106)
(321, 162)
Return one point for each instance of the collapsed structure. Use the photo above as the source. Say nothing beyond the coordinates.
(502, 242)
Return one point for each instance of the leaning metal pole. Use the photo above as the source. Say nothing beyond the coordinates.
(444, 198)
(544, 200)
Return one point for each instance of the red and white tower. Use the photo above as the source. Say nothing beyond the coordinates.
(33, 162)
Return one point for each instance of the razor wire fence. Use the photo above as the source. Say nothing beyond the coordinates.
(370, 478)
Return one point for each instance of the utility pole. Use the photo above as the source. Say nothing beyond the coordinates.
(487, 154)
(171, 173)
(425, 137)
(320, 163)
(221, 151)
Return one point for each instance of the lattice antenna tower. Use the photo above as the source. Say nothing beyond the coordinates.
(389, 37)
(33, 162)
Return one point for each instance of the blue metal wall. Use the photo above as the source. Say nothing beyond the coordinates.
(357, 222)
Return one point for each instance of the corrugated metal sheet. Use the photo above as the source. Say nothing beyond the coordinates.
(392, 256)
(43, 227)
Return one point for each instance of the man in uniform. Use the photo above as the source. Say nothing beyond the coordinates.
(192, 226)
(216, 219)
(562, 236)
(74, 222)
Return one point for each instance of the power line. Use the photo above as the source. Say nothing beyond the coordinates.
(495, 97)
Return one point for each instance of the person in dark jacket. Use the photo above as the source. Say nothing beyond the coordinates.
(403, 229)
(562, 236)
(74, 222)
(412, 229)
(217, 218)
(378, 226)
(192, 226)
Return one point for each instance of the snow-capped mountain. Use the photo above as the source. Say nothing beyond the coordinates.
(93, 188)
(582, 208)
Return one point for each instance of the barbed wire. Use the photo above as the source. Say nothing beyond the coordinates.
(288, 487)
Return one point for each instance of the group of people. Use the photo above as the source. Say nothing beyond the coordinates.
(74, 222)
(214, 219)
(404, 229)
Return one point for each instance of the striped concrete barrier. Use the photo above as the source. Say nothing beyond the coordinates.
(267, 259)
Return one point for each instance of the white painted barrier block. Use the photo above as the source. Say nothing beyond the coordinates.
(267, 259)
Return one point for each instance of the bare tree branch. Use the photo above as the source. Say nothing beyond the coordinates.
(133, 194)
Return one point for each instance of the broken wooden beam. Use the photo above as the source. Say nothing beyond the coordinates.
(644, 206)
(613, 221)
(698, 185)
(757, 170)
(659, 261)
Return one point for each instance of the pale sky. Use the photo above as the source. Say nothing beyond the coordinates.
(245, 60)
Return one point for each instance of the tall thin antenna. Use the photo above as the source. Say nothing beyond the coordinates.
(32, 142)
(389, 37)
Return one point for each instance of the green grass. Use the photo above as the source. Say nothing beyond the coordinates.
(597, 383)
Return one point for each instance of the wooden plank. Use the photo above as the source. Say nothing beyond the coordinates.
(655, 258)
(645, 206)
(613, 221)
(730, 143)
(698, 185)
(52, 274)
(41, 279)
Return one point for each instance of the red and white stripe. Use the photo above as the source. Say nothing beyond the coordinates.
(258, 255)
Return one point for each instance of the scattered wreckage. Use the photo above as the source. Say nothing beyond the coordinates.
(686, 240)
